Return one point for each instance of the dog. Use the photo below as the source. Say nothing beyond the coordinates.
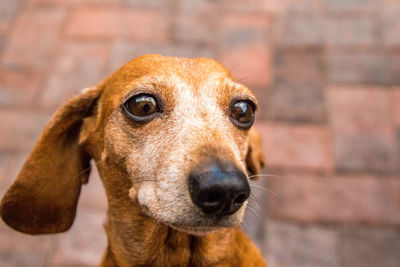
(174, 147)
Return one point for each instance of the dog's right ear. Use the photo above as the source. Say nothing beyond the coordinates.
(43, 198)
(255, 157)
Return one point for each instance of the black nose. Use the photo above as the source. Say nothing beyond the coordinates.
(218, 188)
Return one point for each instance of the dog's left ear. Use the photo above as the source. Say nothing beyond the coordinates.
(255, 156)
(43, 198)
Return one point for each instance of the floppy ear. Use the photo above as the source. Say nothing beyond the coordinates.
(255, 156)
(43, 198)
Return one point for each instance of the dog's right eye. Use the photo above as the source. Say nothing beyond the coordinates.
(142, 107)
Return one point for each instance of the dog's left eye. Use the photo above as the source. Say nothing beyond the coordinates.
(141, 107)
(242, 114)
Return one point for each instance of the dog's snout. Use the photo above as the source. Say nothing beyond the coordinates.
(218, 188)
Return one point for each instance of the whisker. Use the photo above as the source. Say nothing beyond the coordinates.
(253, 211)
(264, 189)
(253, 198)
(265, 175)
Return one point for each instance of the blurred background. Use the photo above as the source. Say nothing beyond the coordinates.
(327, 75)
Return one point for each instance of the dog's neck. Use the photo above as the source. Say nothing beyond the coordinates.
(144, 242)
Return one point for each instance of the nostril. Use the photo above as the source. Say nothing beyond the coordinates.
(240, 199)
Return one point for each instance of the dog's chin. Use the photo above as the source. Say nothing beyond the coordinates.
(205, 227)
(195, 230)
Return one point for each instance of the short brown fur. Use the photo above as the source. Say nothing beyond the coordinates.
(142, 231)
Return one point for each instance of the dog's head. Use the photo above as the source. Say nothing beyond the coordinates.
(176, 131)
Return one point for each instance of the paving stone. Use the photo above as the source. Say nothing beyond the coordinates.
(36, 28)
(79, 65)
(299, 30)
(364, 139)
(10, 165)
(304, 246)
(348, 199)
(297, 93)
(161, 5)
(250, 64)
(18, 88)
(242, 29)
(116, 22)
(390, 23)
(369, 247)
(306, 147)
(253, 222)
(7, 13)
(17, 249)
(351, 31)
(83, 245)
(395, 107)
(197, 21)
(23, 128)
(352, 5)
(363, 66)
(92, 195)
(124, 51)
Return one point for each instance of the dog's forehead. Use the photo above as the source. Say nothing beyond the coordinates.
(170, 74)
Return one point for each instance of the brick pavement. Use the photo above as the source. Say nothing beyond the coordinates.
(327, 75)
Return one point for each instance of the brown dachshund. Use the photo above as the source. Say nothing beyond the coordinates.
(172, 140)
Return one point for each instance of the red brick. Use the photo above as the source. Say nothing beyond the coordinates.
(161, 5)
(83, 244)
(70, 3)
(115, 22)
(352, 5)
(237, 30)
(78, 65)
(7, 13)
(242, 50)
(263, 98)
(123, 51)
(390, 23)
(369, 247)
(294, 245)
(23, 128)
(254, 219)
(32, 39)
(368, 66)
(18, 249)
(364, 138)
(9, 168)
(296, 146)
(250, 64)
(301, 30)
(197, 22)
(3, 165)
(297, 93)
(18, 88)
(93, 196)
(348, 199)
(269, 6)
(351, 31)
(395, 101)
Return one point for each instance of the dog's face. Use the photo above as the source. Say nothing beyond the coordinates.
(180, 130)
(165, 123)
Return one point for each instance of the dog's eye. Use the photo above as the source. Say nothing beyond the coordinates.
(242, 114)
(141, 107)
